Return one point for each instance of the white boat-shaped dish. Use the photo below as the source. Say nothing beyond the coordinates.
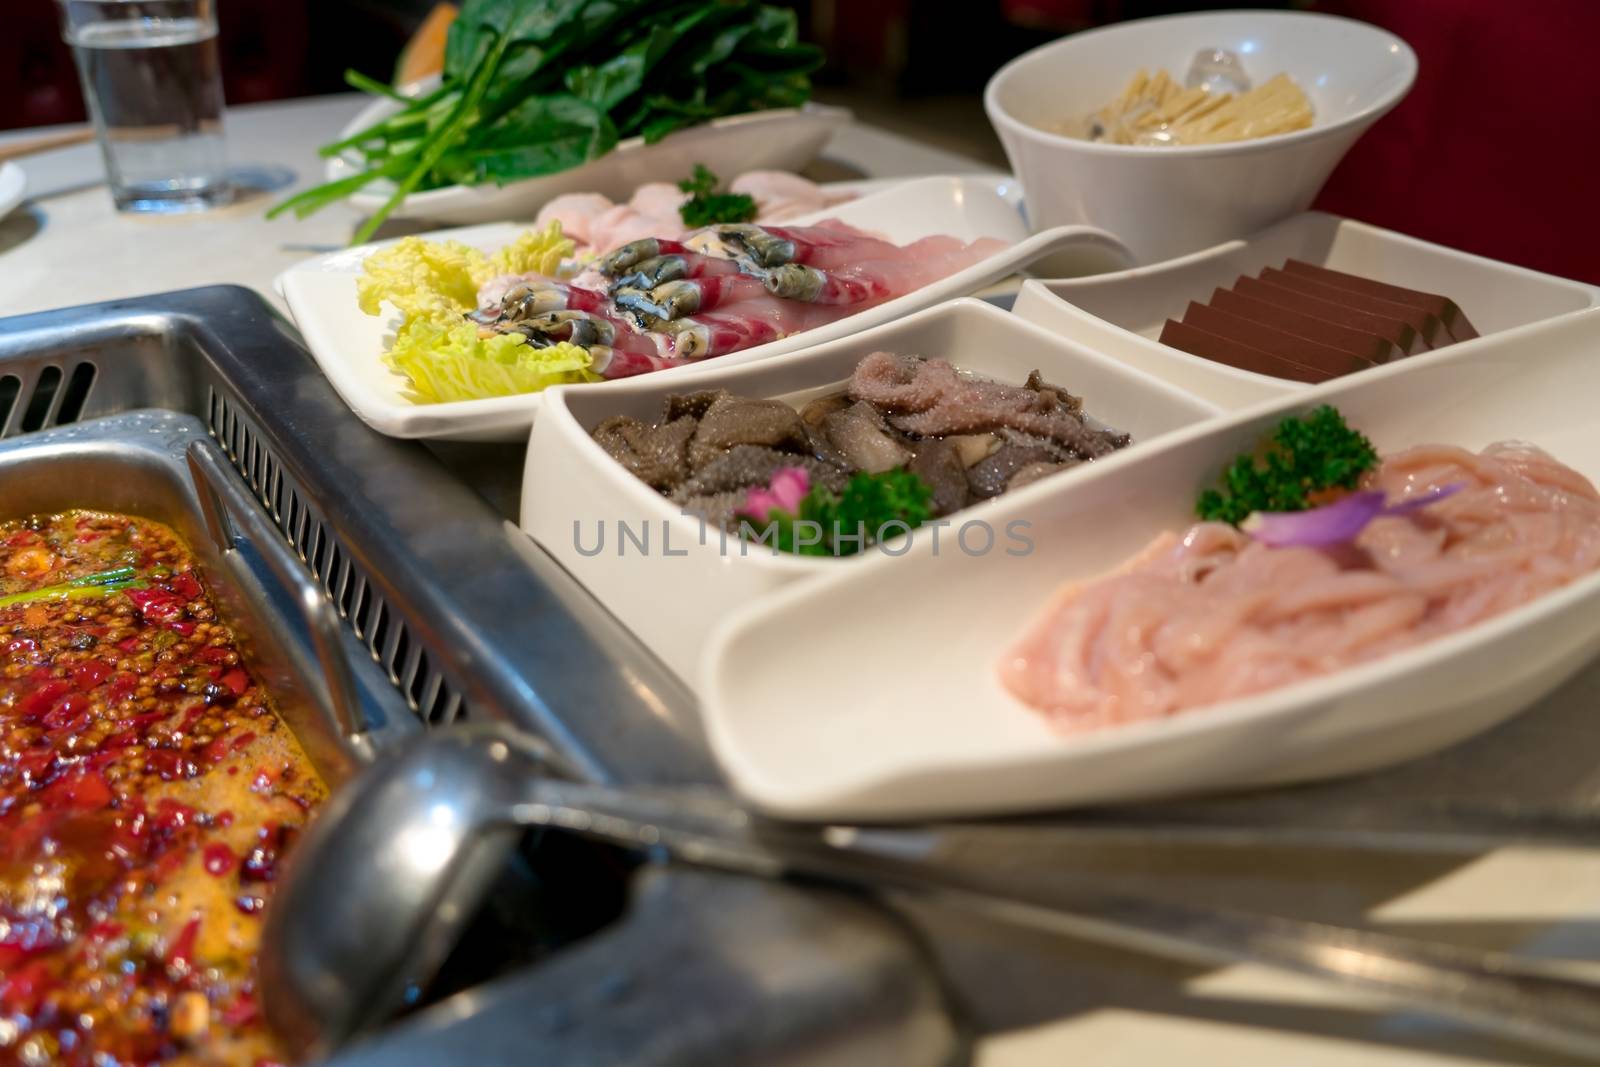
(1122, 313)
(13, 186)
(873, 694)
(676, 579)
(780, 139)
(349, 345)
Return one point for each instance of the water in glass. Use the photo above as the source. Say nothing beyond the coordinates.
(153, 86)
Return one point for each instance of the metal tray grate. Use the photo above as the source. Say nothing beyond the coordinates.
(51, 396)
(313, 539)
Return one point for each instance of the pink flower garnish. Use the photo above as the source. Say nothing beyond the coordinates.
(788, 487)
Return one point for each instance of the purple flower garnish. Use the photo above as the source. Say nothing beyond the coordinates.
(1337, 523)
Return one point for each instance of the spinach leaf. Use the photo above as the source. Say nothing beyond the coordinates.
(533, 87)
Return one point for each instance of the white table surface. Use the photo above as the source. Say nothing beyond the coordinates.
(1041, 1005)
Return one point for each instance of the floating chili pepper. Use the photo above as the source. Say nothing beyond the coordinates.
(180, 955)
(218, 859)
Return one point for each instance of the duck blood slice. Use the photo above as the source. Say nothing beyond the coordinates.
(739, 420)
(1443, 308)
(1198, 342)
(1397, 332)
(1365, 346)
(1424, 322)
(1302, 350)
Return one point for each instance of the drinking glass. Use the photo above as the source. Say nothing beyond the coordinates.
(153, 86)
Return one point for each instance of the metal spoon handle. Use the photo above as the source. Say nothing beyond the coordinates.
(1541, 1003)
(1544, 1004)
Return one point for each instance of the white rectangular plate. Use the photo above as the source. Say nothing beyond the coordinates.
(873, 694)
(780, 139)
(349, 345)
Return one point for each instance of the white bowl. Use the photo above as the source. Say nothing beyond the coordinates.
(1121, 313)
(873, 693)
(349, 345)
(779, 139)
(672, 591)
(1165, 202)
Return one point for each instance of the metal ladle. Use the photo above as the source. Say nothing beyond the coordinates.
(379, 889)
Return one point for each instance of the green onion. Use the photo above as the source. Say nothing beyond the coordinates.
(89, 586)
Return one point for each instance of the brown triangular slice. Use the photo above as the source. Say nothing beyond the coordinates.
(1443, 308)
(1308, 353)
(1425, 323)
(1395, 331)
(1367, 346)
(1198, 342)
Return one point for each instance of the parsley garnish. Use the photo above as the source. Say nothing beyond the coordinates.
(707, 207)
(1305, 456)
(843, 524)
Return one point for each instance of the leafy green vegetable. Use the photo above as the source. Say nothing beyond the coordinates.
(706, 206)
(442, 354)
(87, 587)
(1305, 456)
(872, 507)
(534, 87)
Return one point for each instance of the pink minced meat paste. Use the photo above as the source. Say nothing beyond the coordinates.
(1211, 615)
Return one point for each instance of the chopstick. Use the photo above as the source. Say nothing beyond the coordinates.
(45, 144)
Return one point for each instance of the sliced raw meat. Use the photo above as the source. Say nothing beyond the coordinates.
(576, 212)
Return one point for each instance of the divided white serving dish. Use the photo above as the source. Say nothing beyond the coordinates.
(1122, 313)
(349, 345)
(672, 591)
(873, 694)
(778, 139)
